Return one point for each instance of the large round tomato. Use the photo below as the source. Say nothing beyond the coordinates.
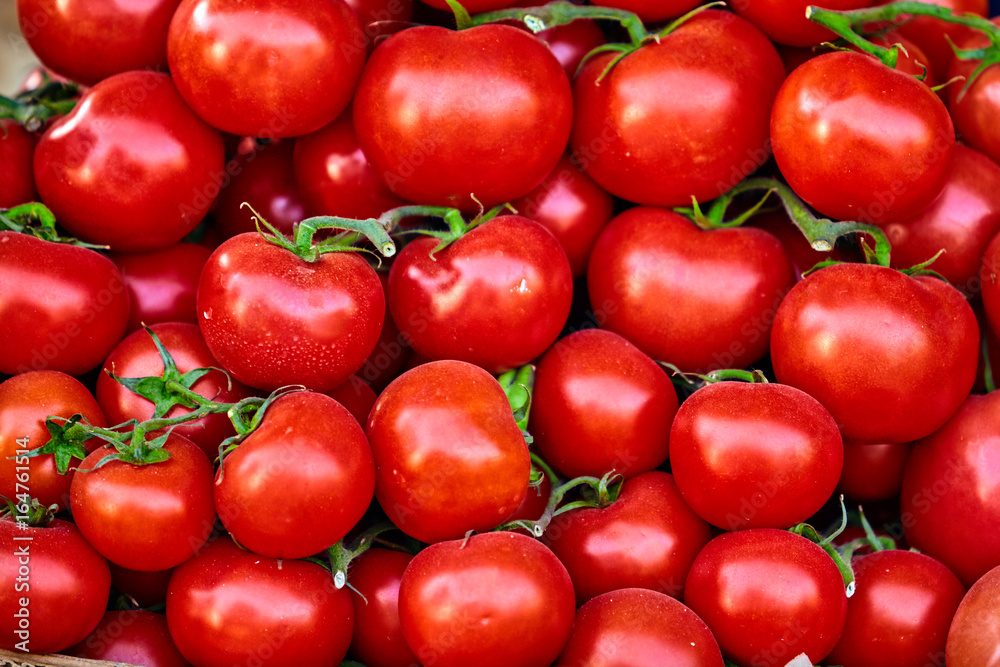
(494, 600)
(873, 471)
(891, 357)
(378, 638)
(451, 118)
(976, 112)
(974, 636)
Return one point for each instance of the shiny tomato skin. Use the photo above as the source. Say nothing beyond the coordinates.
(601, 404)
(265, 68)
(767, 596)
(298, 483)
(272, 319)
(136, 357)
(932, 35)
(975, 114)
(639, 628)
(785, 22)
(647, 538)
(446, 116)
(755, 455)
(227, 605)
(974, 636)
(63, 307)
(162, 284)
(357, 397)
(873, 471)
(378, 637)
(133, 637)
(449, 457)
(860, 141)
(131, 166)
(150, 517)
(65, 573)
(17, 151)
(699, 300)
(571, 42)
(464, 602)
(900, 612)
(839, 334)
(391, 351)
(508, 274)
(635, 138)
(951, 490)
(26, 401)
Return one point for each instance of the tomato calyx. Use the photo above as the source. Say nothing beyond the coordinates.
(65, 443)
(870, 541)
(518, 384)
(35, 219)
(457, 225)
(826, 543)
(351, 231)
(27, 512)
(34, 108)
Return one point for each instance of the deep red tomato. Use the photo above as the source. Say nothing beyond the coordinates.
(134, 637)
(229, 606)
(911, 58)
(974, 637)
(378, 638)
(656, 114)
(535, 501)
(801, 255)
(391, 351)
(131, 166)
(900, 613)
(648, 538)
(273, 319)
(571, 42)
(951, 490)
(449, 457)
(162, 284)
(753, 455)
(378, 16)
(991, 285)
(768, 595)
(26, 401)
(891, 357)
(873, 471)
(17, 150)
(933, 35)
(63, 307)
(639, 628)
(446, 116)
(785, 21)
(975, 114)
(136, 357)
(150, 517)
(55, 587)
(699, 300)
(357, 396)
(507, 275)
(148, 589)
(600, 404)
(299, 482)
(860, 141)
(266, 68)
(493, 600)
(88, 40)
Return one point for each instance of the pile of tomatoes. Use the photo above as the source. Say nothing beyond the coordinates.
(389, 334)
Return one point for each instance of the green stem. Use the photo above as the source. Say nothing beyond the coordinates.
(826, 543)
(37, 220)
(560, 13)
(754, 376)
(340, 555)
(518, 385)
(984, 342)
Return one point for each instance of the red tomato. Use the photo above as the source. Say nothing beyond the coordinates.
(991, 286)
(648, 538)
(975, 114)
(63, 307)
(449, 457)
(17, 150)
(951, 490)
(859, 141)
(699, 300)
(493, 600)
(535, 502)
(768, 595)
(90, 40)
(446, 116)
(785, 21)
(265, 68)
(750, 455)
(900, 614)
(639, 628)
(55, 587)
(136, 357)
(509, 274)
(873, 471)
(357, 397)
(640, 131)
(391, 351)
(162, 284)
(974, 636)
(600, 404)
(891, 357)
(381, 13)
(147, 589)
(801, 255)
(133, 637)
(378, 638)
(571, 42)
(273, 319)
(150, 517)
(131, 166)
(298, 483)
(228, 606)
(933, 35)
(26, 401)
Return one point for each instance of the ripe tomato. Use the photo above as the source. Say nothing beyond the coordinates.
(600, 404)
(493, 600)
(571, 42)
(273, 319)
(162, 284)
(228, 606)
(891, 357)
(131, 166)
(446, 116)
(134, 637)
(449, 457)
(974, 636)
(357, 396)
(148, 589)
(391, 351)
(801, 255)
(975, 113)
(873, 471)
(508, 274)
(860, 141)
(933, 35)
(17, 150)
(63, 307)
(699, 300)
(378, 638)
(785, 21)
(639, 131)
(991, 284)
